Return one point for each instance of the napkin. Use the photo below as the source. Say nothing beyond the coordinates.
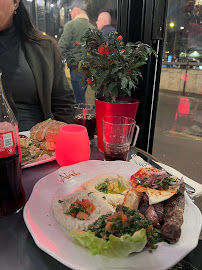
(141, 162)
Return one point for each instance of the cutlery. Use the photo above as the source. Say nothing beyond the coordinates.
(189, 188)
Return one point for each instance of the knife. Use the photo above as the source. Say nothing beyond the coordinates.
(157, 166)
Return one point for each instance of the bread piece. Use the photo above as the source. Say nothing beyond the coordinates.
(53, 130)
(38, 131)
(46, 133)
(35, 129)
(132, 199)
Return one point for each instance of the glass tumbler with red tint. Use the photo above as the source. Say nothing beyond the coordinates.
(72, 145)
(85, 115)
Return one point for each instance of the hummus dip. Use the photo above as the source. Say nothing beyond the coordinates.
(113, 196)
(61, 205)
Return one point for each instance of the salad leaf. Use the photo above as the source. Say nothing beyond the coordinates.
(115, 246)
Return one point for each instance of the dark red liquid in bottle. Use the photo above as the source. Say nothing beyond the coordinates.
(12, 195)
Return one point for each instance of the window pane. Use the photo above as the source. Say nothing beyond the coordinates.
(178, 131)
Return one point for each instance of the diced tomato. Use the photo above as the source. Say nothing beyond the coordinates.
(82, 215)
(90, 209)
(108, 226)
(88, 206)
(77, 201)
(124, 218)
(86, 202)
(142, 216)
(73, 215)
(113, 216)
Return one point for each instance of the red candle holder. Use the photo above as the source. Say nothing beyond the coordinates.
(72, 145)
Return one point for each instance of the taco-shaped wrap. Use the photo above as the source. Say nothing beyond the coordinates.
(157, 184)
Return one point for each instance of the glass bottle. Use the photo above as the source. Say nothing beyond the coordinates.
(12, 195)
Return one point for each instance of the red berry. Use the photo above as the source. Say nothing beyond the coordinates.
(89, 81)
(101, 50)
(106, 51)
(120, 38)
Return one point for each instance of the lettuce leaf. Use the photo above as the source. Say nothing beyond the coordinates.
(115, 246)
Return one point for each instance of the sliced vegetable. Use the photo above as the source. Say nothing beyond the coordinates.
(115, 247)
(155, 179)
(81, 209)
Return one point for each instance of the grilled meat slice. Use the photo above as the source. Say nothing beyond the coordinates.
(159, 209)
(152, 215)
(173, 219)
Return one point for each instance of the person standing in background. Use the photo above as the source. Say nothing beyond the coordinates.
(33, 74)
(72, 33)
(104, 23)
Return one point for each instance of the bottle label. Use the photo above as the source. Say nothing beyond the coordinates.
(7, 145)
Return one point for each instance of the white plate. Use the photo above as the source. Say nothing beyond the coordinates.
(31, 164)
(54, 240)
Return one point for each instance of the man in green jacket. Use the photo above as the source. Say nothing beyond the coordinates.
(72, 33)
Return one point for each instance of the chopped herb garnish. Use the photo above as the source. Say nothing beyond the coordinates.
(119, 184)
(104, 197)
(160, 184)
(154, 237)
(134, 222)
(89, 193)
(103, 186)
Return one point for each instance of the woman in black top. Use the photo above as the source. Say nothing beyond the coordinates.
(33, 75)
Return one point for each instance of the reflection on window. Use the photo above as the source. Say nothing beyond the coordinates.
(183, 40)
(182, 56)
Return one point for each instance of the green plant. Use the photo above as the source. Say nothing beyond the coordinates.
(112, 68)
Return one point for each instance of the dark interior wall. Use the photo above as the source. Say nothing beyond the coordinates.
(144, 20)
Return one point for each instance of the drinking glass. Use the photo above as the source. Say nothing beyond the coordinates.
(85, 115)
(117, 137)
(72, 145)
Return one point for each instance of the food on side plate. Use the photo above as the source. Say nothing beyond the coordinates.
(41, 143)
(46, 133)
(157, 184)
(111, 188)
(79, 209)
(118, 234)
(31, 151)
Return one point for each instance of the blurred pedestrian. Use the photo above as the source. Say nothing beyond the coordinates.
(104, 24)
(72, 33)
